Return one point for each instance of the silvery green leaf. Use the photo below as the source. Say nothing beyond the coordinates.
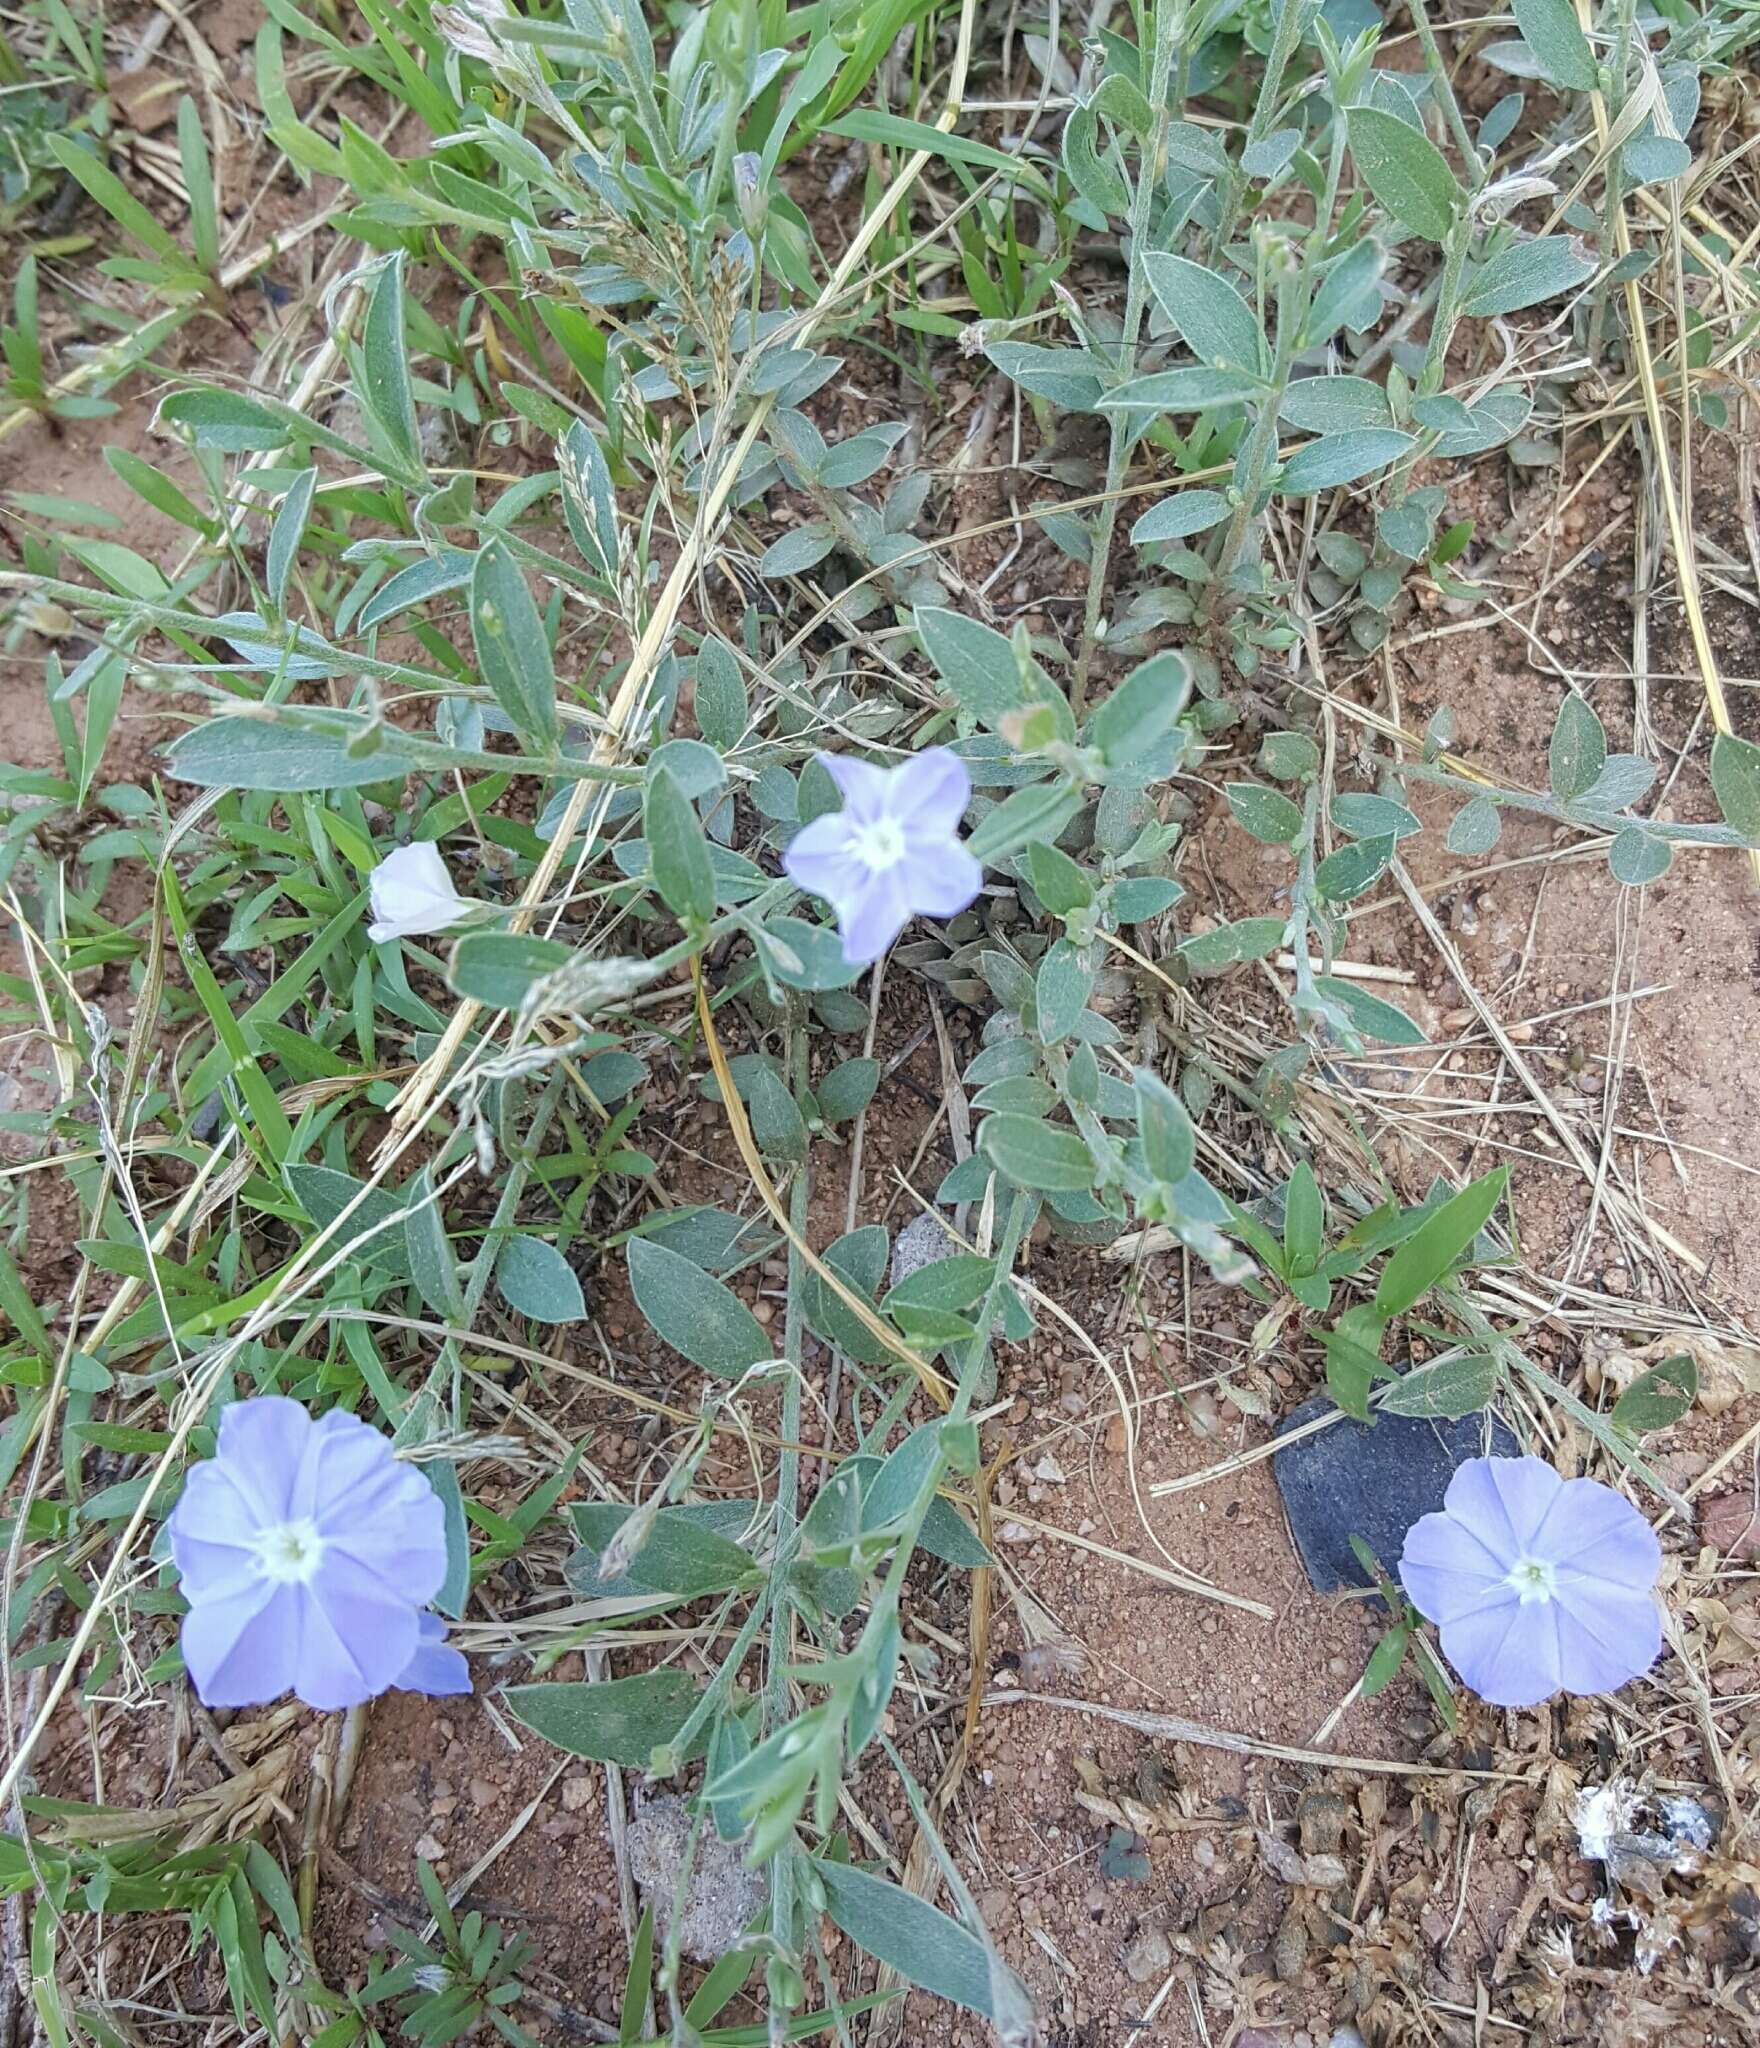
(1093, 172)
(324, 1192)
(803, 955)
(1498, 417)
(696, 1315)
(1405, 171)
(1349, 294)
(687, 1551)
(1498, 125)
(798, 551)
(1653, 159)
(1266, 813)
(1168, 1140)
(251, 753)
(1348, 870)
(1068, 377)
(1526, 274)
(588, 501)
(721, 703)
(1038, 812)
(1623, 781)
(538, 1281)
(287, 533)
(976, 662)
(430, 577)
(500, 969)
(1735, 782)
(1637, 856)
(1289, 756)
(1658, 1398)
(1341, 459)
(1448, 1388)
(920, 1942)
(1331, 405)
(1577, 751)
(1229, 945)
(1179, 516)
(513, 650)
(1476, 828)
(1143, 707)
(385, 384)
(611, 1721)
(1372, 1018)
(678, 853)
(693, 764)
(1551, 30)
(1206, 311)
(847, 1090)
(1405, 530)
(431, 1263)
(1034, 1154)
(1190, 389)
(777, 1123)
(853, 461)
(1373, 817)
(1266, 158)
(1061, 990)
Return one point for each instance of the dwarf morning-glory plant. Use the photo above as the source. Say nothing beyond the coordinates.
(308, 1552)
(1538, 1584)
(893, 852)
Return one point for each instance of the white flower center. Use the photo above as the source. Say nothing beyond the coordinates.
(878, 845)
(290, 1552)
(1532, 1579)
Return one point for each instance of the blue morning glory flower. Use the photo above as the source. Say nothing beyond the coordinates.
(1538, 1584)
(892, 853)
(308, 1551)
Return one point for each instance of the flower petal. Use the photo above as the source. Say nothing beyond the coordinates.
(1504, 1501)
(930, 792)
(356, 1636)
(820, 860)
(1606, 1636)
(261, 1443)
(373, 1509)
(1603, 1536)
(435, 1669)
(864, 787)
(1447, 1570)
(240, 1651)
(1507, 1653)
(872, 917)
(942, 884)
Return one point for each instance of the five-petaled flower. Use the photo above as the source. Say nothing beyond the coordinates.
(1538, 1584)
(892, 853)
(308, 1551)
(412, 892)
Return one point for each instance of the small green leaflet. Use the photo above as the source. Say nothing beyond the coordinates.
(918, 1940)
(617, 1721)
(1578, 749)
(678, 852)
(1551, 30)
(538, 1281)
(699, 1317)
(513, 651)
(1210, 316)
(1406, 172)
(1047, 1158)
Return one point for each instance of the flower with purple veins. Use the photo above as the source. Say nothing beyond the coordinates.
(308, 1551)
(1538, 1584)
(892, 853)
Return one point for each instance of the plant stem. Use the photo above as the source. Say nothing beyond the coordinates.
(1151, 168)
(1451, 107)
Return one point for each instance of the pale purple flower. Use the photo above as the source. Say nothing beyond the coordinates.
(307, 1552)
(1538, 1584)
(892, 853)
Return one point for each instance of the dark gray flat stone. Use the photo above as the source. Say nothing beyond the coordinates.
(1372, 1481)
